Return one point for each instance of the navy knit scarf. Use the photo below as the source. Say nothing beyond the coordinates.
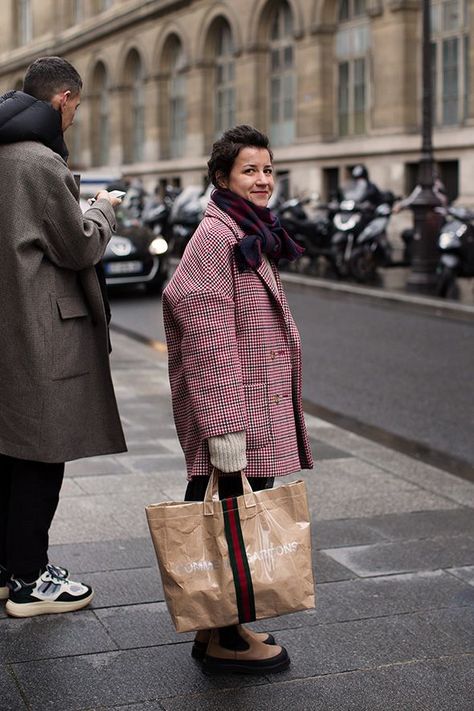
(263, 231)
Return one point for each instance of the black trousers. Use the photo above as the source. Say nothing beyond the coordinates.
(29, 495)
(229, 485)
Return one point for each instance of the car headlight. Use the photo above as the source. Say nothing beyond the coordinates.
(445, 240)
(120, 246)
(158, 246)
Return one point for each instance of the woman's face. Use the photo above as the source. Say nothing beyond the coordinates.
(251, 176)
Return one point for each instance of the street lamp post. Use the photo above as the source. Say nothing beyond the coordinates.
(426, 221)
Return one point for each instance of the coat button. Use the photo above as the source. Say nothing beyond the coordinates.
(276, 399)
(272, 355)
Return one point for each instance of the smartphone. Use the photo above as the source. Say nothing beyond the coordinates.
(117, 193)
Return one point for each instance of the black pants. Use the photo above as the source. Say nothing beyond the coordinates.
(228, 486)
(29, 495)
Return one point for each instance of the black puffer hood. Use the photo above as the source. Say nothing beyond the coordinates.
(24, 118)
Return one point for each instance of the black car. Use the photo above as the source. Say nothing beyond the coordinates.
(135, 256)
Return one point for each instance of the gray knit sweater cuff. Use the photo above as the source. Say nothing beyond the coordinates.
(228, 451)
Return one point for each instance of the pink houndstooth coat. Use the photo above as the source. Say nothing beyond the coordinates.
(234, 355)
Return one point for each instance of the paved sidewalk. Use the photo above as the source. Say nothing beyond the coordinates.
(394, 560)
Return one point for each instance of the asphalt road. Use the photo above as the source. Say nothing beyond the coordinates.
(398, 372)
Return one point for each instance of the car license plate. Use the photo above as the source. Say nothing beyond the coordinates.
(129, 267)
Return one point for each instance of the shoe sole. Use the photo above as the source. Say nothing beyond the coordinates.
(45, 607)
(4, 593)
(214, 665)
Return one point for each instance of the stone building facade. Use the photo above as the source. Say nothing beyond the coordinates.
(334, 82)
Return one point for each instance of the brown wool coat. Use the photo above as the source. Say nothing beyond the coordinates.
(57, 401)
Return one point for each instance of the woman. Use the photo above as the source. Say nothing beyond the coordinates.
(234, 359)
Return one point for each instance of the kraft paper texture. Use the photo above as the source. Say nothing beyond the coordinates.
(193, 555)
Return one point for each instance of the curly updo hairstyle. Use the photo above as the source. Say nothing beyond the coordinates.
(226, 149)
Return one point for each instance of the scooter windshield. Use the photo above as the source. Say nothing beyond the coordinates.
(355, 190)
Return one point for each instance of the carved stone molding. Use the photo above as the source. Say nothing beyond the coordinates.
(374, 8)
(397, 5)
(326, 29)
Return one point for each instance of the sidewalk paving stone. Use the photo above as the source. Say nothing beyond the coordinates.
(125, 587)
(466, 573)
(46, 637)
(419, 686)
(113, 678)
(404, 556)
(324, 451)
(147, 625)
(96, 466)
(11, 699)
(424, 524)
(368, 643)
(103, 556)
(343, 532)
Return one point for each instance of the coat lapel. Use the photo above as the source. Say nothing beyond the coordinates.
(264, 271)
(266, 274)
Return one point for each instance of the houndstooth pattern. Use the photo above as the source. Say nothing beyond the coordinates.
(234, 355)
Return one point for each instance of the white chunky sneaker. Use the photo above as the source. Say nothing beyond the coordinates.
(51, 593)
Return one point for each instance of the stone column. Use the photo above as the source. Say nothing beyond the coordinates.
(252, 88)
(150, 148)
(196, 112)
(395, 68)
(316, 85)
(116, 152)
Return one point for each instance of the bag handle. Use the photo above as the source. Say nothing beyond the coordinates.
(212, 492)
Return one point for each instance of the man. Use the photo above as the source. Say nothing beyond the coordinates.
(369, 191)
(56, 395)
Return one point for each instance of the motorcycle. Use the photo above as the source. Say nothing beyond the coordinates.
(456, 246)
(314, 234)
(156, 215)
(186, 214)
(373, 249)
(357, 250)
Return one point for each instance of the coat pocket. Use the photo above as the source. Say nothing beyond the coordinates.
(72, 344)
(258, 415)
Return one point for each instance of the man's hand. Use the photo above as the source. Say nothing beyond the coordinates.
(104, 195)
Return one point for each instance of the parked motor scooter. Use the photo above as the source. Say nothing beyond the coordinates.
(186, 214)
(314, 234)
(349, 217)
(156, 215)
(456, 246)
(372, 247)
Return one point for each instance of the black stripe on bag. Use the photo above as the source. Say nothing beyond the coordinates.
(238, 561)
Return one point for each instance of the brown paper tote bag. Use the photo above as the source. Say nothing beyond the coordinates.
(237, 560)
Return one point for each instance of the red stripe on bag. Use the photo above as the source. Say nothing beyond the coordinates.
(239, 562)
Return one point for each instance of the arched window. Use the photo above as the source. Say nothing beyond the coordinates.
(24, 21)
(352, 52)
(225, 80)
(282, 77)
(100, 116)
(450, 48)
(134, 108)
(177, 101)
